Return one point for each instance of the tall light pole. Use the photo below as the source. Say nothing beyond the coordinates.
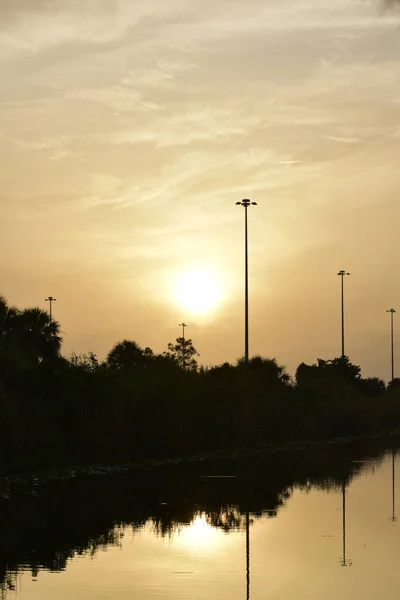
(391, 311)
(50, 300)
(342, 274)
(183, 325)
(246, 203)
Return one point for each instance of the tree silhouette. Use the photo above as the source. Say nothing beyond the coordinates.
(38, 335)
(266, 369)
(183, 353)
(372, 386)
(128, 355)
(394, 384)
(27, 337)
(336, 368)
(8, 316)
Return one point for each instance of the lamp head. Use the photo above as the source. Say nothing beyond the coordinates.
(246, 203)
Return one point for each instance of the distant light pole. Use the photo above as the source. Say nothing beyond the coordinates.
(183, 325)
(342, 274)
(246, 203)
(50, 300)
(391, 311)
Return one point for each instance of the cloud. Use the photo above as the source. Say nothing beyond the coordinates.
(393, 4)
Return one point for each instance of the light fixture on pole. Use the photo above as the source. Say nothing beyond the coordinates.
(50, 300)
(391, 311)
(246, 203)
(342, 274)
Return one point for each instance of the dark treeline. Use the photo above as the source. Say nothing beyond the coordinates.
(138, 405)
(45, 523)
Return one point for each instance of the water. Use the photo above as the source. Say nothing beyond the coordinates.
(311, 524)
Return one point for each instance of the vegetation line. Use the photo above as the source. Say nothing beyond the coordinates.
(137, 407)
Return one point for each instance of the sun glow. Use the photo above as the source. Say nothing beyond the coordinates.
(200, 534)
(198, 290)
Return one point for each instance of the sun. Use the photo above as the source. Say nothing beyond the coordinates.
(198, 289)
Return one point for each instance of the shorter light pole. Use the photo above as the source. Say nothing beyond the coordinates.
(392, 311)
(183, 325)
(50, 300)
(342, 274)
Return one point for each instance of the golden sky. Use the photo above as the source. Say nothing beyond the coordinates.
(129, 129)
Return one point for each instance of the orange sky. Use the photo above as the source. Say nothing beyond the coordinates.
(128, 130)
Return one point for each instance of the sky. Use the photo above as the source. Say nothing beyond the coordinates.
(129, 130)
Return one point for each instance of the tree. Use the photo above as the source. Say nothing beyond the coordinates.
(39, 336)
(27, 336)
(394, 384)
(336, 368)
(87, 362)
(267, 369)
(128, 355)
(372, 386)
(183, 353)
(8, 317)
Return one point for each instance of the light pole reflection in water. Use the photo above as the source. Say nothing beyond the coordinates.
(247, 556)
(344, 561)
(393, 517)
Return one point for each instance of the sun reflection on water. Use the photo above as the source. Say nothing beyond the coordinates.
(199, 535)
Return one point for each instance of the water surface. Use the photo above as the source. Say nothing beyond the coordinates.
(313, 524)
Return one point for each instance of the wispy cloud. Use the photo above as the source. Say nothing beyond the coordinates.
(129, 129)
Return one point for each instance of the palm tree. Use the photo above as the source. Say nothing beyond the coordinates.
(38, 334)
(28, 334)
(8, 316)
(8, 324)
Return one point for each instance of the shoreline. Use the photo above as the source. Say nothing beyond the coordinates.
(14, 483)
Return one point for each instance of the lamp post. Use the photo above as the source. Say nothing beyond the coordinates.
(246, 203)
(391, 311)
(183, 325)
(342, 274)
(50, 300)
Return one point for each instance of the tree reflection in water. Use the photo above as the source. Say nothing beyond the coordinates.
(65, 518)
